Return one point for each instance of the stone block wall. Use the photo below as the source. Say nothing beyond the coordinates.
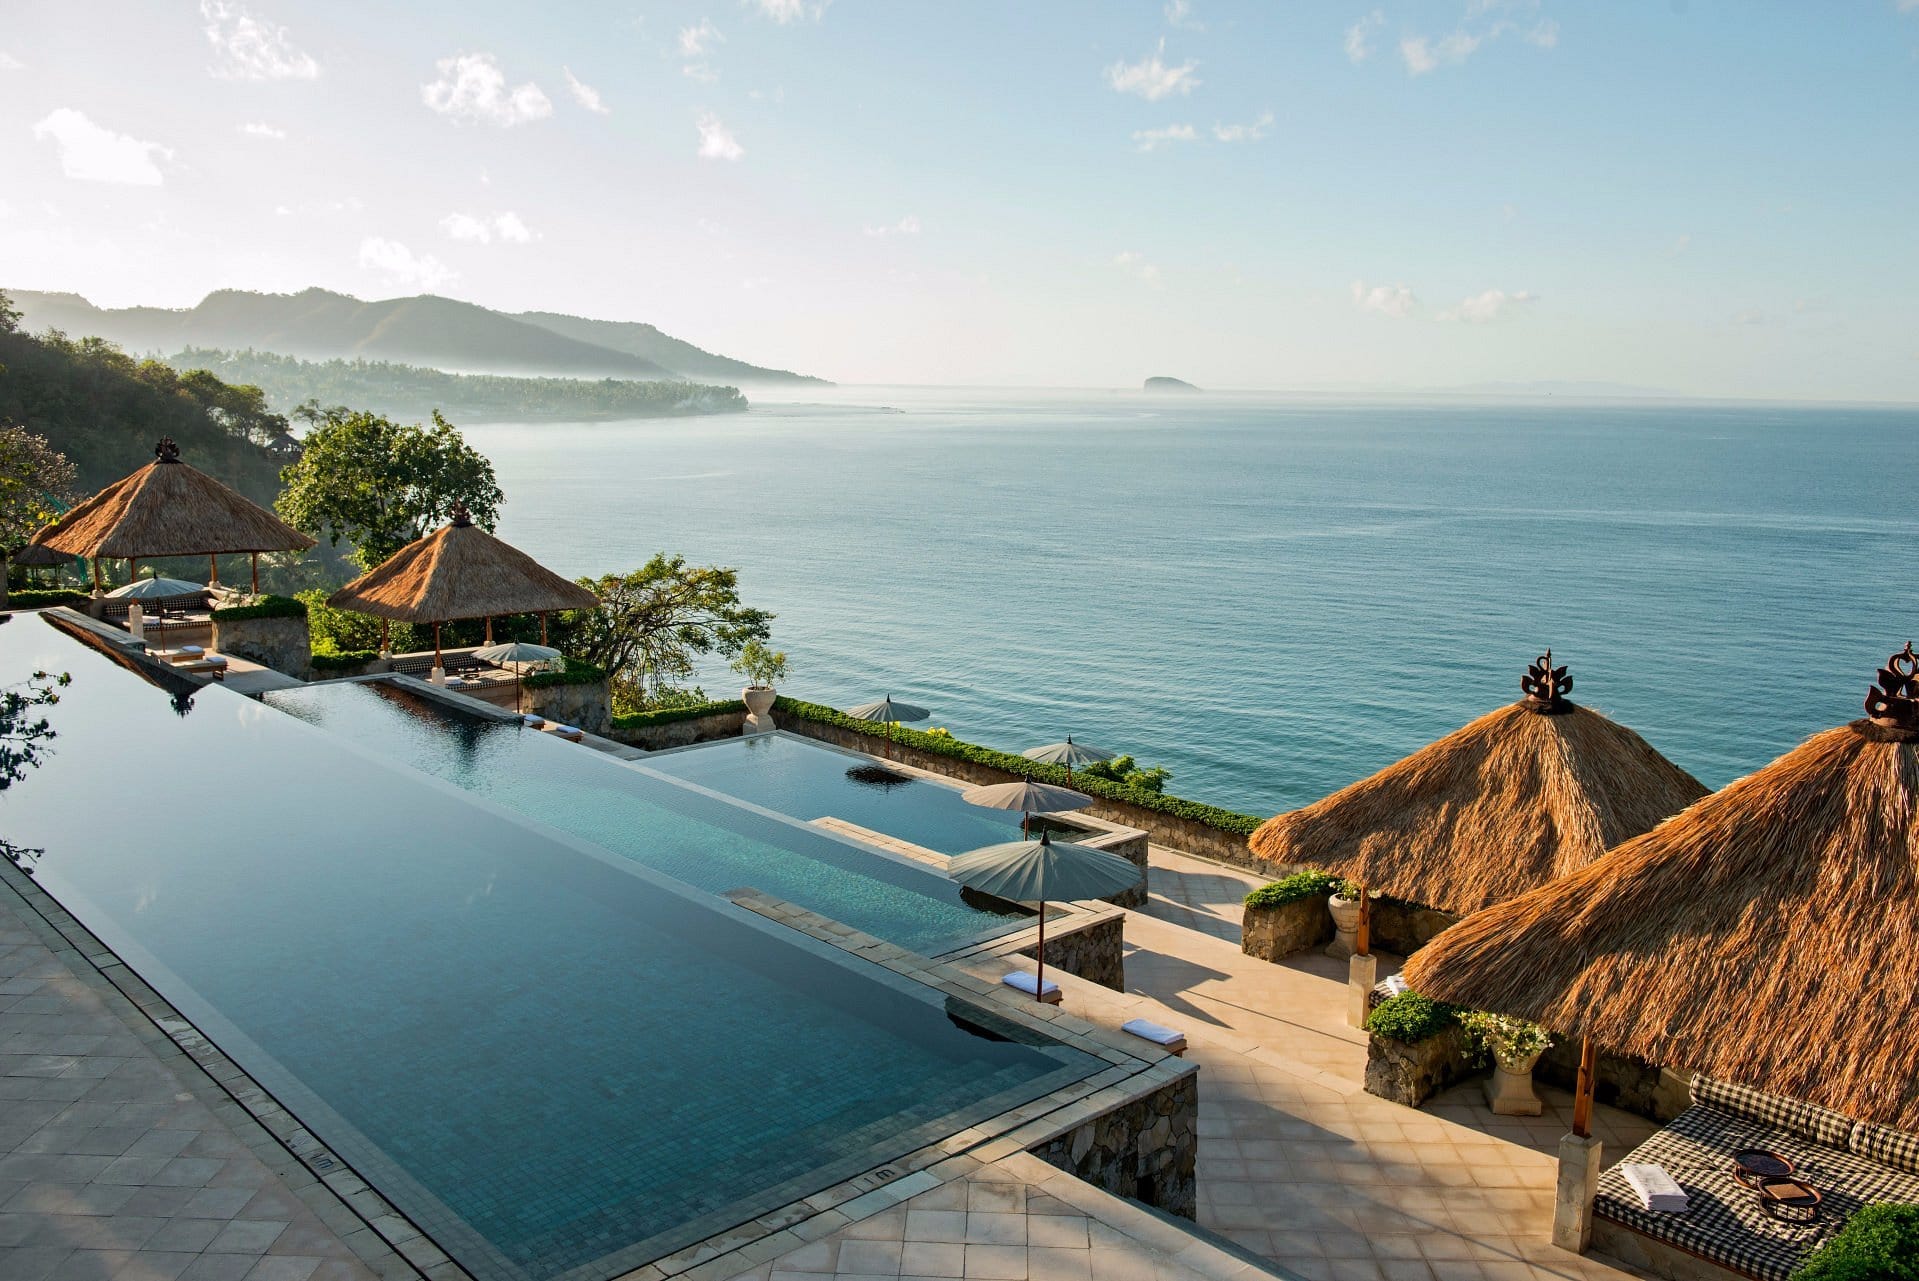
(587, 706)
(1147, 1150)
(1275, 933)
(1411, 1074)
(284, 644)
(702, 729)
(1404, 928)
(1095, 952)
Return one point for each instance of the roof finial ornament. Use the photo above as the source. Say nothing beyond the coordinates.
(1895, 703)
(166, 451)
(1546, 686)
(461, 517)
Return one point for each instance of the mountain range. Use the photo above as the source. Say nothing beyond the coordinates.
(441, 333)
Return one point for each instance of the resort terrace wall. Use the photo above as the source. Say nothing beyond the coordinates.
(680, 726)
(1196, 828)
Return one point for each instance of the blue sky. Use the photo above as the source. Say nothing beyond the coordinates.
(1708, 198)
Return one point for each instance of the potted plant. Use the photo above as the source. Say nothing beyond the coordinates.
(761, 667)
(1344, 906)
(1515, 1046)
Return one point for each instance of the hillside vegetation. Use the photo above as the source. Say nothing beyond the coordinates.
(443, 333)
(411, 391)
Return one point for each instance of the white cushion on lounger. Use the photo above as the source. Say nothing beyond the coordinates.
(1021, 981)
(195, 650)
(1153, 1032)
(1393, 984)
(534, 721)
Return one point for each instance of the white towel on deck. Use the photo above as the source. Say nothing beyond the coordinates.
(1154, 1032)
(1656, 1189)
(1021, 981)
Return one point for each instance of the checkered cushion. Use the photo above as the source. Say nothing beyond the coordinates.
(1725, 1223)
(1886, 1146)
(1807, 1120)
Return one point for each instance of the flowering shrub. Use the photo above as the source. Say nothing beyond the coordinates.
(1509, 1040)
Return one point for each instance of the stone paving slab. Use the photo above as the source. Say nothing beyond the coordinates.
(111, 1165)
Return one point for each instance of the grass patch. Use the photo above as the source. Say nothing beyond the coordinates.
(667, 715)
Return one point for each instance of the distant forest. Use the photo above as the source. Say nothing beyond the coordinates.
(105, 410)
(412, 391)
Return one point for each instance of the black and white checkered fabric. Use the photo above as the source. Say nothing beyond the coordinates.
(1888, 1147)
(1807, 1120)
(1724, 1222)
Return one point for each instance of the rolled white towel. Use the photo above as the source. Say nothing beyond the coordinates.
(534, 722)
(1154, 1032)
(1656, 1189)
(1021, 981)
(1393, 984)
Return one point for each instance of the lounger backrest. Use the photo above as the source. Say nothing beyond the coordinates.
(1886, 1146)
(1807, 1120)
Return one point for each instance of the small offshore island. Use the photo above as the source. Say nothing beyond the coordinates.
(1163, 383)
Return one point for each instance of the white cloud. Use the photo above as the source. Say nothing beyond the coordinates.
(1247, 132)
(1179, 13)
(716, 140)
(1396, 301)
(399, 265)
(1422, 55)
(700, 71)
(472, 87)
(1151, 78)
(248, 48)
(1545, 33)
(1750, 316)
(504, 227)
(95, 154)
(1494, 304)
(1154, 139)
(10, 63)
(261, 129)
(585, 94)
(907, 226)
(697, 42)
(1135, 264)
(785, 11)
(1359, 36)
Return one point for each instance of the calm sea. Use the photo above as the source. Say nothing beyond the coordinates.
(1271, 597)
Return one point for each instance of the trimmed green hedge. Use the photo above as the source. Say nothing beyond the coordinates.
(946, 745)
(340, 661)
(42, 597)
(578, 672)
(1880, 1243)
(1291, 889)
(667, 715)
(1411, 1018)
(268, 607)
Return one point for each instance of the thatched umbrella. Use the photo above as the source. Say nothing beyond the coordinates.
(1519, 796)
(35, 556)
(169, 508)
(1767, 935)
(459, 571)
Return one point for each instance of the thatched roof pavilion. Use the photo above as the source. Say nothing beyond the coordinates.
(38, 556)
(1507, 803)
(459, 571)
(1769, 935)
(169, 508)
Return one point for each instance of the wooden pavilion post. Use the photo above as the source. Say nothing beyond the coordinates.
(1362, 970)
(542, 627)
(489, 629)
(1579, 1160)
(386, 638)
(213, 570)
(256, 573)
(439, 664)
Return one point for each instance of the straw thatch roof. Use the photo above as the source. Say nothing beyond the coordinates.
(1767, 935)
(36, 555)
(1517, 797)
(168, 508)
(459, 571)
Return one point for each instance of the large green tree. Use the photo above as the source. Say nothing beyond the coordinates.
(36, 484)
(655, 623)
(379, 485)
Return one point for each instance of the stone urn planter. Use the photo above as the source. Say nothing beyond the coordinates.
(759, 708)
(1345, 912)
(1509, 1091)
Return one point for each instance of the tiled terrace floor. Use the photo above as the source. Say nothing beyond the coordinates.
(110, 1165)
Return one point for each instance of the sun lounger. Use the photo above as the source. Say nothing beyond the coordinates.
(211, 665)
(570, 733)
(1164, 1037)
(533, 722)
(1021, 981)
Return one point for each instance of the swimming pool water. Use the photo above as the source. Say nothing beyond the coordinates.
(699, 839)
(810, 780)
(554, 1060)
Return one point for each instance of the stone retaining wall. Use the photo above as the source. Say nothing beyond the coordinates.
(700, 729)
(1411, 1074)
(1275, 933)
(1147, 1149)
(284, 644)
(1095, 952)
(1403, 928)
(587, 706)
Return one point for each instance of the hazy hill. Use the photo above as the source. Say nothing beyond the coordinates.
(648, 342)
(317, 324)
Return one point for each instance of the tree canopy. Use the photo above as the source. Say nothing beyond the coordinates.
(379, 484)
(36, 485)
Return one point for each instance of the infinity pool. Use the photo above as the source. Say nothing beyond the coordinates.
(554, 1060)
(797, 776)
(698, 838)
